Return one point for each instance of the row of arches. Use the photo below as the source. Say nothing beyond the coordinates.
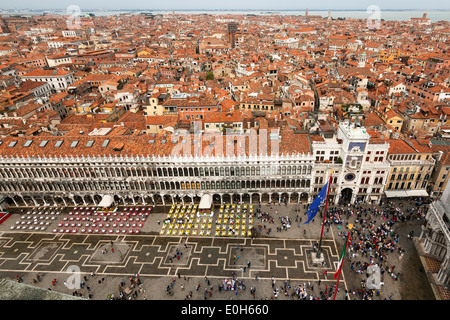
(146, 171)
(344, 197)
(156, 199)
(86, 186)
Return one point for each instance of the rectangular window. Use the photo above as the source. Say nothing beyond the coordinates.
(74, 144)
(89, 143)
(28, 143)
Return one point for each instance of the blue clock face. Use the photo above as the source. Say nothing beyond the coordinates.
(349, 177)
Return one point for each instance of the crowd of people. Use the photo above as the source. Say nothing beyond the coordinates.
(286, 223)
(373, 239)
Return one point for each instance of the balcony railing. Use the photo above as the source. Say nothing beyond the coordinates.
(411, 162)
(443, 226)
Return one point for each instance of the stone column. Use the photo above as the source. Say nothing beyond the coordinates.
(153, 199)
(23, 199)
(14, 200)
(353, 197)
(443, 276)
(336, 199)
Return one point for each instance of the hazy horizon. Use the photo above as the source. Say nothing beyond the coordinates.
(224, 9)
(235, 5)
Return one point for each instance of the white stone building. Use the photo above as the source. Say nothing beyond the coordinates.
(59, 80)
(358, 162)
(434, 243)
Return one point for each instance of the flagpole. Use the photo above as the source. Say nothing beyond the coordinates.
(342, 263)
(324, 215)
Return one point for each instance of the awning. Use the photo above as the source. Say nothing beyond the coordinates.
(417, 193)
(396, 194)
(107, 200)
(205, 202)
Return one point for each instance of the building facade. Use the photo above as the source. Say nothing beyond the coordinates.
(180, 167)
(434, 243)
(59, 80)
(358, 162)
(411, 167)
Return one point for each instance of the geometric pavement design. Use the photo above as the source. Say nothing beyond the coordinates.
(155, 255)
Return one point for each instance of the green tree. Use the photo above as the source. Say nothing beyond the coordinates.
(209, 75)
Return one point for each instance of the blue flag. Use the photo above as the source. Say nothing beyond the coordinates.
(314, 207)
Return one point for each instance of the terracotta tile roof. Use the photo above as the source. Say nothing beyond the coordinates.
(46, 73)
(29, 85)
(161, 145)
(399, 146)
(214, 117)
(163, 119)
(371, 119)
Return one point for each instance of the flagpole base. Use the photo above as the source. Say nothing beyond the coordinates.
(317, 261)
(314, 261)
